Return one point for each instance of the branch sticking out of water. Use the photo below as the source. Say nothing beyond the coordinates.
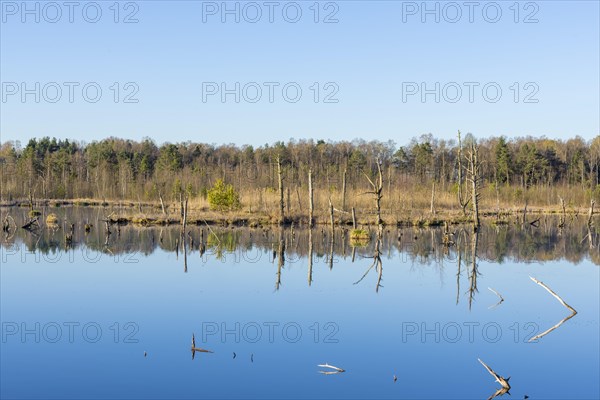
(562, 321)
(501, 380)
(497, 294)
(554, 294)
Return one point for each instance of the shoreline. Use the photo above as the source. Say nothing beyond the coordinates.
(133, 213)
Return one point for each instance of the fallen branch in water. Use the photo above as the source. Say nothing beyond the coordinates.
(338, 370)
(198, 349)
(554, 294)
(502, 381)
(562, 321)
(497, 294)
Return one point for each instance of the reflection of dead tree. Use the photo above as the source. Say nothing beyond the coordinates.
(310, 256)
(473, 272)
(459, 263)
(280, 258)
(502, 381)
(557, 297)
(497, 294)
(184, 245)
(377, 264)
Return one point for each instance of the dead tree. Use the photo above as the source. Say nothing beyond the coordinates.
(377, 191)
(474, 178)
(183, 203)
(563, 216)
(591, 213)
(344, 190)
(463, 202)
(331, 216)
(311, 204)
(432, 208)
(281, 202)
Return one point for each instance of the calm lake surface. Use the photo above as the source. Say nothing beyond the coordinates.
(114, 318)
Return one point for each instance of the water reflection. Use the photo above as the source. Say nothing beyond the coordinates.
(377, 263)
(308, 268)
(574, 242)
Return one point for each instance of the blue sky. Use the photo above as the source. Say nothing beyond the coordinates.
(369, 63)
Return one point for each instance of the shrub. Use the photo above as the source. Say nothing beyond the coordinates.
(223, 197)
(51, 219)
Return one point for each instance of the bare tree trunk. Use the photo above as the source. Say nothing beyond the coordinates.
(281, 202)
(474, 178)
(311, 204)
(377, 192)
(299, 202)
(432, 207)
(331, 217)
(563, 216)
(462, 202)
(344, 191)
(353, 218)
(591, 213)
(162, 203)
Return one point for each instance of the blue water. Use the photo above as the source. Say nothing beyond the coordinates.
(412, 327)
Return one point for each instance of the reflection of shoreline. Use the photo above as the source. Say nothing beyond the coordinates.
(495, 244)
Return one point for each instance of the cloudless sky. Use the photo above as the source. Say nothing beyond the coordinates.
(364, 61)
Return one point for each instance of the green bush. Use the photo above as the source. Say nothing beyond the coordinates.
(223, 197)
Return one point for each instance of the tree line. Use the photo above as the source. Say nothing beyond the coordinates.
(120, 169)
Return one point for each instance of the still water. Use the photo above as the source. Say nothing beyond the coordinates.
(404, 316)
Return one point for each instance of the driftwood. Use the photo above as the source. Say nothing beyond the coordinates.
(335, 369)
(562, 321)
(497, 294)
(197, 349)
(501, 380)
